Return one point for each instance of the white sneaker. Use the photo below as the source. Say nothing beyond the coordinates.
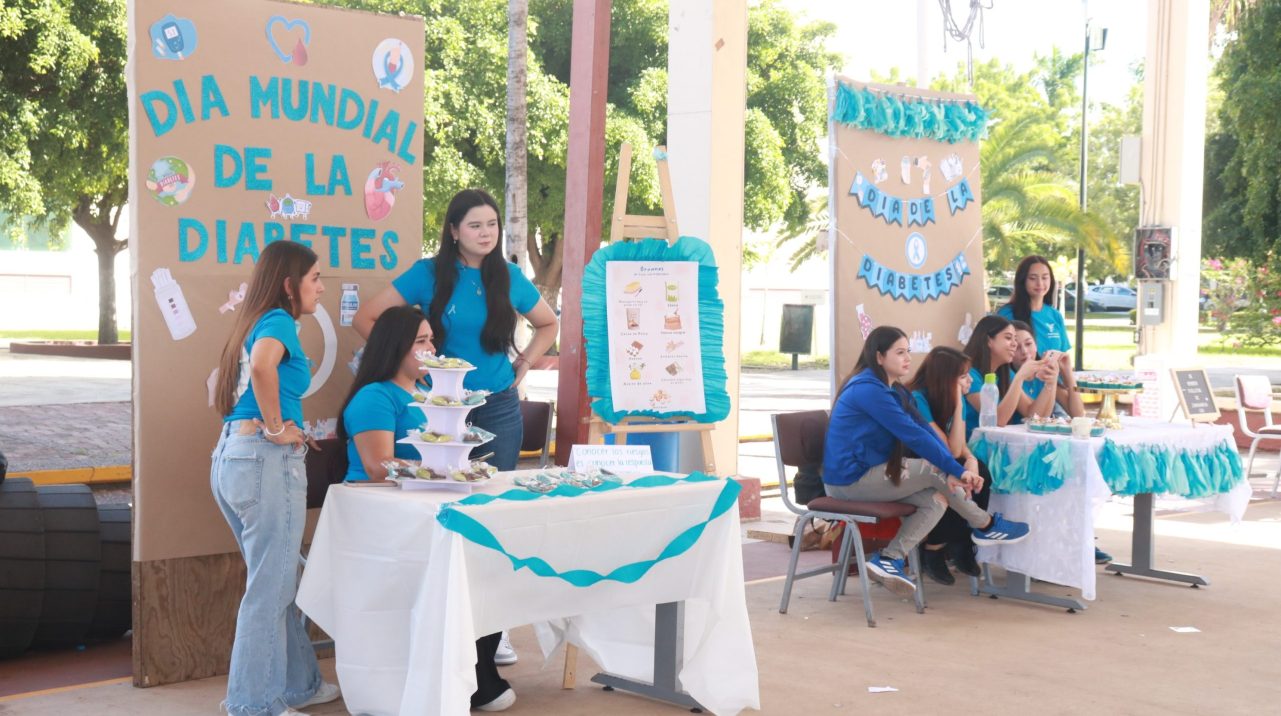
(506, 655)
(502, 703)
(326, 693)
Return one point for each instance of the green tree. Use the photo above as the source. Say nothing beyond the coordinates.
(64, 125)
(1027, 207)
(1242, 185)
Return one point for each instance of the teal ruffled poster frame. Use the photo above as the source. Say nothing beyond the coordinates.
(711, 326)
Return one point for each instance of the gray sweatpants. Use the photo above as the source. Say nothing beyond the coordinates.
(920, 483)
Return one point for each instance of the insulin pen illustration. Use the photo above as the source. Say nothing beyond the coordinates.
(173, 304)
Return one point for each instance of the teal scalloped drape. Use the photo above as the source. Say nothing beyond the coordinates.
(711, 325)
(896, 116)
(1127, 470)
(455, 518)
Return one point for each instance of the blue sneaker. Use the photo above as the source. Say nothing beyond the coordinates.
(1001, 531)
(1101, 557)
(891, 573)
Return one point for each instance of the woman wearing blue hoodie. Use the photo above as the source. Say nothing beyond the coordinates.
(864, 459)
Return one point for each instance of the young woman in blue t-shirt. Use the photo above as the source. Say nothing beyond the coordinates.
(938, 394)
(991, 350)
(376, 412)
(259, 481)
(375, 415)
(863, 459)
(1032, 303)
(471, 296)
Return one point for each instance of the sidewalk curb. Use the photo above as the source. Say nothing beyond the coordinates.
(78, 475)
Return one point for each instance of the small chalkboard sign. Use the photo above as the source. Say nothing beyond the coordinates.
(1195, 396)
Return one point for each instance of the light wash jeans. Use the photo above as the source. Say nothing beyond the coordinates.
(261, 489)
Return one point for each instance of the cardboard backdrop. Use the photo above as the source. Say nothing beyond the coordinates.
(907, 246)
(253, 121)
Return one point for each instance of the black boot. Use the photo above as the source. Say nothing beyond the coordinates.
(934, 564)
(962, 554)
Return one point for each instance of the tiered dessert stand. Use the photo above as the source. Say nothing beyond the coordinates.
(445, 409)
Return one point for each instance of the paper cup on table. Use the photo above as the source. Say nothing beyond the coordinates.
(1081, 427)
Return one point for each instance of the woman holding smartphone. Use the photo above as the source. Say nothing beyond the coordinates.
(259, 481)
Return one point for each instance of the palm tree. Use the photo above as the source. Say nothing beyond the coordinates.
(1029, 209)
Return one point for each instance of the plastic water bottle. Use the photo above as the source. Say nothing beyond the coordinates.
(989, 396)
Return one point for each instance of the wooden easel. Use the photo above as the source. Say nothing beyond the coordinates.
(625, 227)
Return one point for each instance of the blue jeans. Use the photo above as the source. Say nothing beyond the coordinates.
(261, 489)
(500, 415)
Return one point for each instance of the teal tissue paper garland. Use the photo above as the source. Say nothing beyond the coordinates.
(897, 116)
(1126, 470)
(455, 518)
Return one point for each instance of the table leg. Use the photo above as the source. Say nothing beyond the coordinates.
(1016, 587)
(669, 645)
(1142, 548)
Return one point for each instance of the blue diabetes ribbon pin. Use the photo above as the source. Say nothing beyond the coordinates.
(913, 286)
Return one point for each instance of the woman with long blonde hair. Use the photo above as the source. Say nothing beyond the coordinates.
(259, 481)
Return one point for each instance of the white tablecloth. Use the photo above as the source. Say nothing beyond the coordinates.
(1060, 548)
(403, 596)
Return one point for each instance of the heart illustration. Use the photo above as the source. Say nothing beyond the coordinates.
(297, 54)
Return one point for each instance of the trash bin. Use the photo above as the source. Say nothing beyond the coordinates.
(664, 448)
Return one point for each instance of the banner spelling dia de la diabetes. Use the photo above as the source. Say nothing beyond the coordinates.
(907, 240)
(251, 122)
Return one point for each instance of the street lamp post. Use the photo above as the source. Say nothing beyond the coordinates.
(1085, 125)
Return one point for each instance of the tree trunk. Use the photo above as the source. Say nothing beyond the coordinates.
(547, 262)
(101, 228)
(517, 222)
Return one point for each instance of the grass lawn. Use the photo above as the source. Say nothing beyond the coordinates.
(1110, 345)
(88, 335)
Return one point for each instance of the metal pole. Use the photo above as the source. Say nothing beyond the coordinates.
(1080, 251)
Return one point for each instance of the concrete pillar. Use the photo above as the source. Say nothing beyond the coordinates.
(706, 108)
(1173, 161)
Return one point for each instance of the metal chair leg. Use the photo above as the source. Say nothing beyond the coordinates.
(1276, 479)
(863, 581)
(842, 561)
(914, 557)
(791, 566)
(1249, 464)
(849, 554)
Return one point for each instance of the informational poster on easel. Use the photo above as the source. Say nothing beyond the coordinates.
(655, 357)
(907, 239)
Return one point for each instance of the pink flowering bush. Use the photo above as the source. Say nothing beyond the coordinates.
(1257, 318)
(1228, 287)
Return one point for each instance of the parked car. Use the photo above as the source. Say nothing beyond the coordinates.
(1112, 297)
(1069, 298)
(998, 296)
